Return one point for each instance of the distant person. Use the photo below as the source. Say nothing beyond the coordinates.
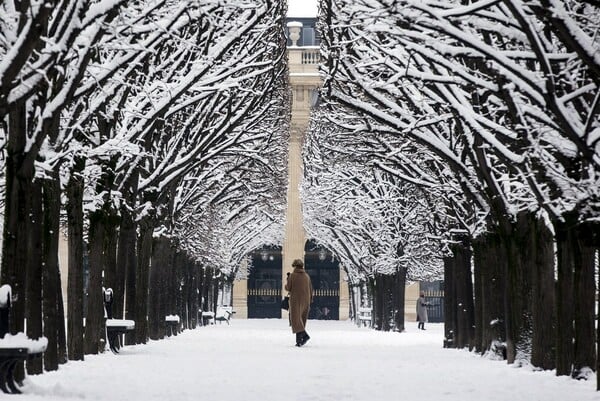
(300, 288)
(422, 311)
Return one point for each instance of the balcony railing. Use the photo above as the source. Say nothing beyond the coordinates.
(304, 59)
(311, 56)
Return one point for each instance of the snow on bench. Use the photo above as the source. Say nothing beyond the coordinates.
(115, 328)
(224, 313)
(208, 317)
(172, 323)
(365, 316)
(14, 348)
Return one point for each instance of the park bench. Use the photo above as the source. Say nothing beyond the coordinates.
(115, 328)
(365, 316)
(224, 313)
(208, 317)
(14, 348)
(172, 324)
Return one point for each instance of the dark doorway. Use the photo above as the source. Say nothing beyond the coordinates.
(434, 296)
(264, 284)
(324, 272)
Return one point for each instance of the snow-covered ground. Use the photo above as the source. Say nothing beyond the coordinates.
(256, 360)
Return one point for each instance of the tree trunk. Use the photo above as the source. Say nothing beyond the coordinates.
(585, 316)
(564, 298)
(376, 290)
(18, 180)
(177, 272)
(62, 334)
(141, 279)
(399, 294)
(465, 311)
(352, 292)
(33, 299)
(517, 311)
(386, 301)
(127, 257)
(480, 262)
(493, 294)
(94, 322)
(75, 290)
(194, 305)
(159, 283)
(541, 243)
(125, 269)
(173, 275)
(51, 277)
(449, 304)
(180, 267)
(111, 235)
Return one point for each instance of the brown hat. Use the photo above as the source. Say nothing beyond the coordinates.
(297, 263)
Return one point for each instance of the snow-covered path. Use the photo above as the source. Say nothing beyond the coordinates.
(255, 360)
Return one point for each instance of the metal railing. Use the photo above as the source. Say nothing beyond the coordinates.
(264, 292)
(435, 310)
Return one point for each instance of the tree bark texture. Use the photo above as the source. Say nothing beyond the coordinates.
(51, 276)
(564, 298)
(465, 310)
(374, 285)
(480, 263)
(584, 308)
(94, 321)
(518, 298)
(540, 254)
(18, 180)
(111, 236)
(399, 293)
(75, 290)
(141, 279)
(180, 272)
(33, 299)
(192, 296)
(127, 257)
(449, 303)
(490, 262)
(61, 329)
(158, 287)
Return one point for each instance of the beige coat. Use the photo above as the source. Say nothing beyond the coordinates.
(300, 289)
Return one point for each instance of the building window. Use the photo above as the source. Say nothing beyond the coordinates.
(308, 36)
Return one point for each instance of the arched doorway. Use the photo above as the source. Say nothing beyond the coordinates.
(264, 284)
(324, 271)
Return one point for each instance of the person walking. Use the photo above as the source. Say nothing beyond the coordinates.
(300, 289)
(422, 311)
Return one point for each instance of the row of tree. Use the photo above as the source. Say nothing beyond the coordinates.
(467, 133)
(152, 134)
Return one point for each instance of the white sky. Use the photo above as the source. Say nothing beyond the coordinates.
(302, 8)
(256, 360)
